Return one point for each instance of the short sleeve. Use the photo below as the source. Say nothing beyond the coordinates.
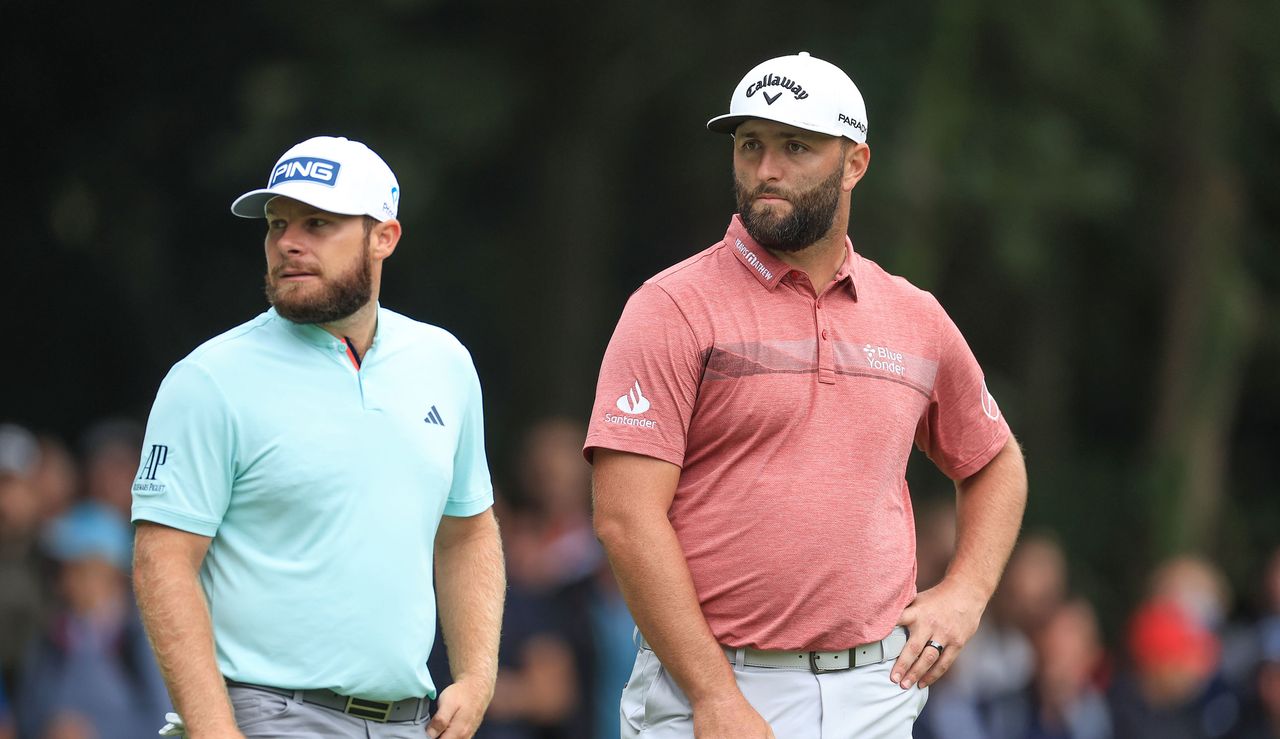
(962, 428)
(472, 488)
(648, 380)
(188, 456)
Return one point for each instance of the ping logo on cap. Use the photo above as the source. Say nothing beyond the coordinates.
(309, 169)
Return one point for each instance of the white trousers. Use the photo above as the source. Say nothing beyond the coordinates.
(860, 703)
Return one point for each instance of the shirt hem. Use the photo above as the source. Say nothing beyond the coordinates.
(980, 460)
(468, 508)
(175, 520)
(666, 455)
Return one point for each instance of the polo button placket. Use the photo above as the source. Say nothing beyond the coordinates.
(826, 363)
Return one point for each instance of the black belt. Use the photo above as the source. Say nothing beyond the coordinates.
(370, 710)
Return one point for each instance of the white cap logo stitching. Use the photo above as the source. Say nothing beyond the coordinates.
(633, 403)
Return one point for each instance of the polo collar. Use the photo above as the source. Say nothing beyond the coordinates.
(766, 268)
(769, 270)
(316, 336)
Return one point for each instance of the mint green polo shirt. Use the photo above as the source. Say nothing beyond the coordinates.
(322, 486)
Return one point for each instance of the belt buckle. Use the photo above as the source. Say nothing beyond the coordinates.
(379, 711)
(833, 658)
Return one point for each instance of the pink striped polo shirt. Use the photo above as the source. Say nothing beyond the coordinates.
(792, 415)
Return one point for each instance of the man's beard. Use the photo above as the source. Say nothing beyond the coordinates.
(812, 213)
(336, 299)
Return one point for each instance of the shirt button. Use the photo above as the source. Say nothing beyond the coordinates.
(824, 334)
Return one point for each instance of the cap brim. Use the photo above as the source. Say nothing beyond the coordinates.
(726, 123)
(729, 124)
(252, 203)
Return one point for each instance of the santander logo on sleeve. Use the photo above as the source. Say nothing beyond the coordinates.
(633, 404)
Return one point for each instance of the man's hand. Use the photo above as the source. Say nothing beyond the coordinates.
(947, 614)
(459, 710)
(730, 718)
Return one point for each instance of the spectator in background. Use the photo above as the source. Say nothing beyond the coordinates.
(6, 714)
(536, 690)
(55, 477)
(22, 594)
(1171, 690)
(1262, 717)
(554, 548)
(935, 540)
(554, 545)
(1065, 701)
(91, 672)
(1196, 585)
(111, 453)
(984, 695)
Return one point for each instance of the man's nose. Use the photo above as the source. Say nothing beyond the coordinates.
(770, 168)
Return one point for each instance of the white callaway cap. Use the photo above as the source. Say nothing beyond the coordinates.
(801, 91)
(332, 174)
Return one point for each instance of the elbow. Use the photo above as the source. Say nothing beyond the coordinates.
(610, 529)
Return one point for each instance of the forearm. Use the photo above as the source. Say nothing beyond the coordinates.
(176, 617)
(654, 578)
(989, 508)
(470, 587)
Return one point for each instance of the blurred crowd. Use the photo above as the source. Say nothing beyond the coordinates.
(75, 664)
(1179, 667)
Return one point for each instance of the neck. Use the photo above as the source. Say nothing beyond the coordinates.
(824, 257)
(359, 327)
(819, 260)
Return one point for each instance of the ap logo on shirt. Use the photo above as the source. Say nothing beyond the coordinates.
(633, 403)
(144, 484)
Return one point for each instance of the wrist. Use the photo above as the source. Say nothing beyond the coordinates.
(971, 589)
(478, 684)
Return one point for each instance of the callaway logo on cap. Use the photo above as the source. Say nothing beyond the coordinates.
(330, 173)
(800, 91)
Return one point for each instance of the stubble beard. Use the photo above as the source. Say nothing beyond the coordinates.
(336, 299)
(812, 213)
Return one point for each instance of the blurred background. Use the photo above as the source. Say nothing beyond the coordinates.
(1089, 188)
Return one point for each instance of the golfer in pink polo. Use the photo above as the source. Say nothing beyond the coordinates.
(755, 411)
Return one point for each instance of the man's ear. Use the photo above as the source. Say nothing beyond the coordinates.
(384, 238)
(856, 160)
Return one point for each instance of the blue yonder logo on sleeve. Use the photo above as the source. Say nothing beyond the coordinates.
(308, 169)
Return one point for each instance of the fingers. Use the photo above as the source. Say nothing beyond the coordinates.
(919, 663)
(453, 721)
(440, 722)
(916, 660)
(940, 666)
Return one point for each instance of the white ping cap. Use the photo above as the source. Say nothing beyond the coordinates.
(330, 173)
(801, 91)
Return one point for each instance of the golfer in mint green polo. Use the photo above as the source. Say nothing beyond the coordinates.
(312, 480)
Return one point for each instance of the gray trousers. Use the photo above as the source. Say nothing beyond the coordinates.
(851, 704)
(261, 714)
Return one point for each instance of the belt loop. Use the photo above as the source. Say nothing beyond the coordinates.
(739, 659)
